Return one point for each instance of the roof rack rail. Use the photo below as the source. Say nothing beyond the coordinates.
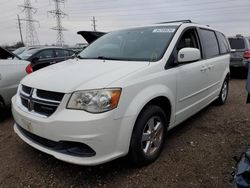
(183, 21)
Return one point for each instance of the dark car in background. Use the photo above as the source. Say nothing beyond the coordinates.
(240, 54)
(45, 56)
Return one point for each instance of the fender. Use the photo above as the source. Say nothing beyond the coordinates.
(146, 95)
(137, 104)
(225, 74)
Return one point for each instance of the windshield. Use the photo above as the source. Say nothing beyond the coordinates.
(139, 44)
(26, 54)
(237, 43)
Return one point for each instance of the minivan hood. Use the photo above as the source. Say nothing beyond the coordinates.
(73, 75)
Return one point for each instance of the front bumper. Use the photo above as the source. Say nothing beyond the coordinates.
(108, 137)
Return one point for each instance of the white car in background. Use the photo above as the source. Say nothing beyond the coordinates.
(12, 70)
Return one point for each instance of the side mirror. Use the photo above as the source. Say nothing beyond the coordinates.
(34, 60)
(188, 55)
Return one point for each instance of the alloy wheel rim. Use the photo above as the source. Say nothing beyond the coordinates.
(224, 91)
(152, 136)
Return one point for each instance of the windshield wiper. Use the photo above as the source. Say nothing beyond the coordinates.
(109, 58)
(80, 57)
(105, 58)
(99, 57)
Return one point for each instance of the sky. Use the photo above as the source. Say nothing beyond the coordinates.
(229, 16)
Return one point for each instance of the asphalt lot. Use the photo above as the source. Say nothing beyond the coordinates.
(198, 153)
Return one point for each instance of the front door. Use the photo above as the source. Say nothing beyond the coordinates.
(192, 79)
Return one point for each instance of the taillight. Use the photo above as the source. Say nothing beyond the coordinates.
(28, 69)
(246, 54)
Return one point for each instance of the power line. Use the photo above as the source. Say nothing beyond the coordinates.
(149, 6)
(59, 14)
(31, 34)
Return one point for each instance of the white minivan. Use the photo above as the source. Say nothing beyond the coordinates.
(123, 93)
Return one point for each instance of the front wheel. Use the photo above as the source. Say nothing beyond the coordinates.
(148, 136)
(223, 93)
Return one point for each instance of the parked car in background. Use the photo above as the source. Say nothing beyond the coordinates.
(20, 50)
(44, 56)
(240, 54)
(123, 93)
(12, 70)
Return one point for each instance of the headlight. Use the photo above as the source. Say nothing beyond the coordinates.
(95, 101)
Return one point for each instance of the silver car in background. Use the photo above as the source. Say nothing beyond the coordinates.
(240, 54)
(12, 70)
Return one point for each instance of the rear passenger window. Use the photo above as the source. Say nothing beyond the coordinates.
(210, 44)
(45, 54)
(223, 44)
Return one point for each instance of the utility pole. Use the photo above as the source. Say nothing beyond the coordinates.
(94, 23)
(59, 14)
(31, 35)
(20, 28)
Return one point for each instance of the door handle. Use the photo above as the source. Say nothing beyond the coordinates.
(203, 69)
(210, 67)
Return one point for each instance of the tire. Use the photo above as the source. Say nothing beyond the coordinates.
(223, 93)
(148, 136)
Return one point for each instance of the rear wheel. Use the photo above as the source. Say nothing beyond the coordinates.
(223, 93)
(148, 136)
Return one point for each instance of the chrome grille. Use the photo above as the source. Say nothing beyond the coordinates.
(40, 102)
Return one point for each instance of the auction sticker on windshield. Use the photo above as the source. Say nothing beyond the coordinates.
(164, 30)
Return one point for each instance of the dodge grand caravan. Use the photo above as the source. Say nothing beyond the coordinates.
(123, 93)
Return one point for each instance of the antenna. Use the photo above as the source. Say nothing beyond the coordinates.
(59, 14)
(31, 34)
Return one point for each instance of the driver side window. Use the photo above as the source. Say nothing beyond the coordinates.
(187, 40)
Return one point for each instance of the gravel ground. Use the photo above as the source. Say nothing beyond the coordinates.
(198, 153)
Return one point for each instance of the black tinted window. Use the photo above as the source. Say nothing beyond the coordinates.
(237, 43)
(68, 53)
(71, 53)
(223, 44)
(45, 54)
(209, 41)
(60, 53)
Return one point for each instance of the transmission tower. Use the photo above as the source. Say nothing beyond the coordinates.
(31, 34)
(94, 23)
(59, 15)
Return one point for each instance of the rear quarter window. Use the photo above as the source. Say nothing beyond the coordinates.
(223, 43)
(237, 43)
(209, 43)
